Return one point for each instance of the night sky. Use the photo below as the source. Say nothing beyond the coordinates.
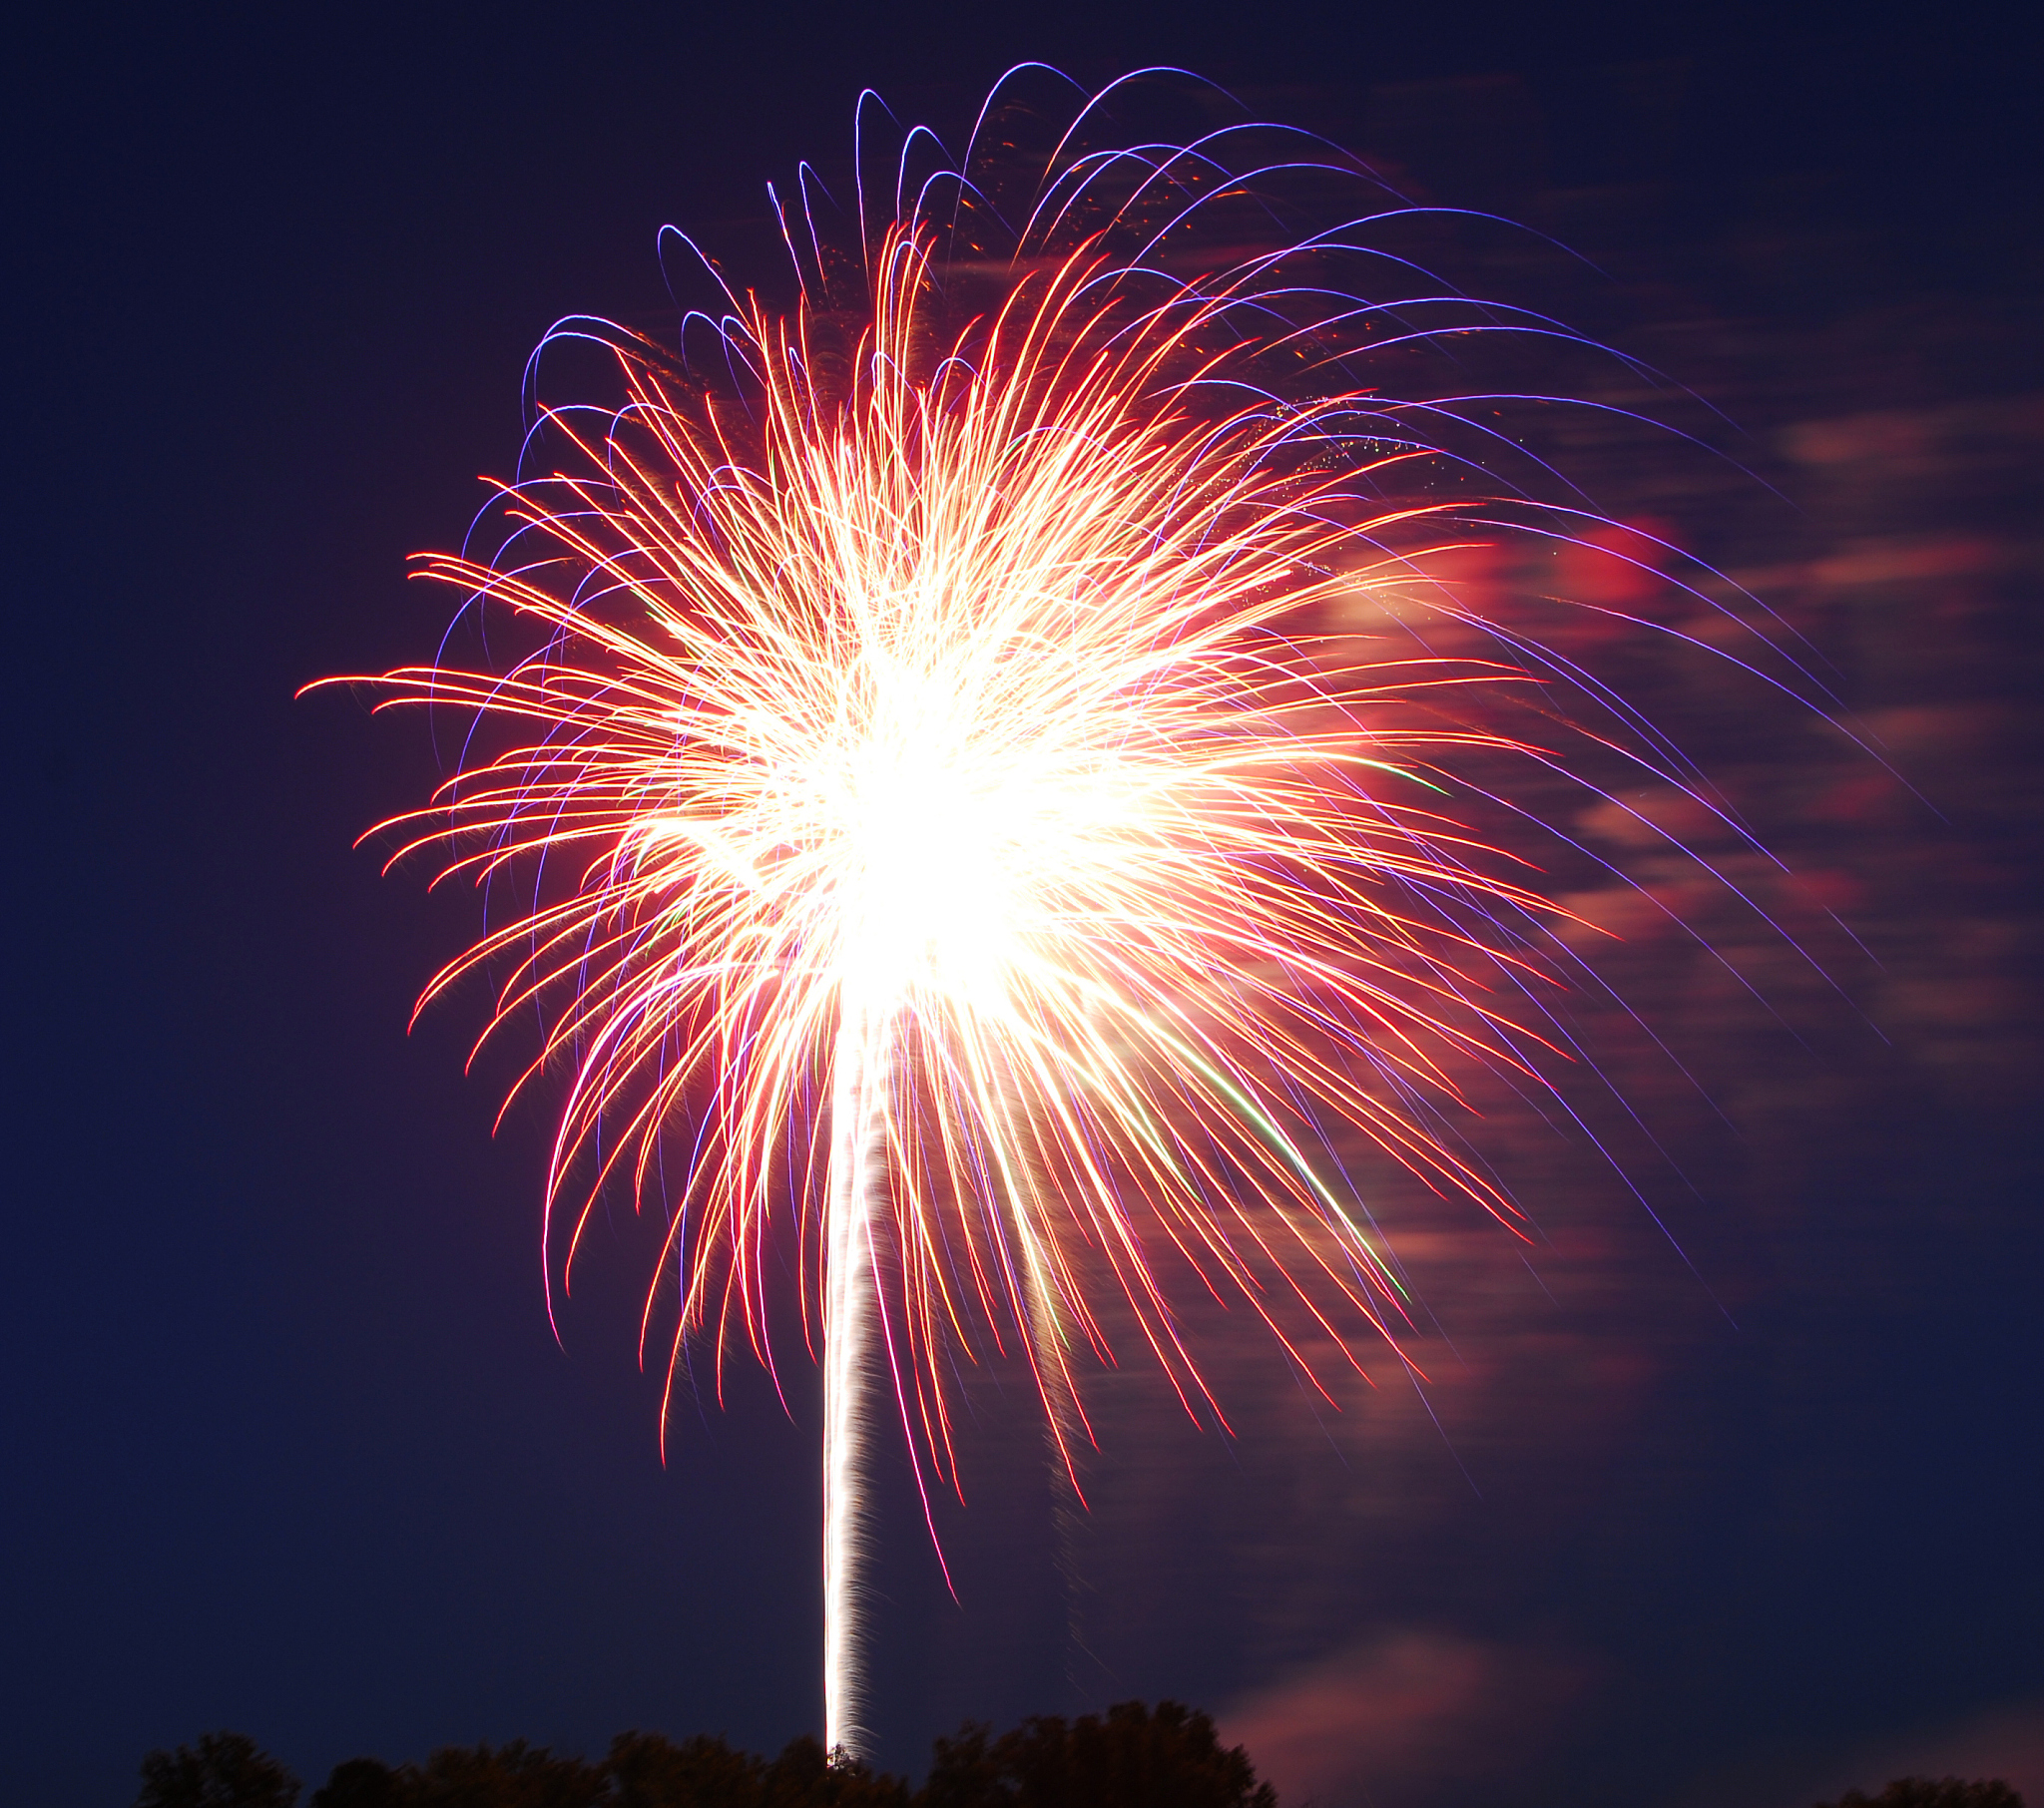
(289, 1446)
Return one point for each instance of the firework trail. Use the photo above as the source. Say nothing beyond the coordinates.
(955, 836)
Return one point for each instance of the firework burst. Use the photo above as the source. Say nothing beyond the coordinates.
(944, 814)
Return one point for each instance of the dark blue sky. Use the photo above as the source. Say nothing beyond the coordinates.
(290, 1447)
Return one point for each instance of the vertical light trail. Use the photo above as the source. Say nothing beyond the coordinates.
(855, 1188)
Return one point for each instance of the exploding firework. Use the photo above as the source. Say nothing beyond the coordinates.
(961, 837)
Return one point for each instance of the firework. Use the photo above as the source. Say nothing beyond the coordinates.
(957, 839)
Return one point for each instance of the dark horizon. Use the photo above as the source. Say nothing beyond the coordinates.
(293, 1449)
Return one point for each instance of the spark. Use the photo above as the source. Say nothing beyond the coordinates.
(937, 811)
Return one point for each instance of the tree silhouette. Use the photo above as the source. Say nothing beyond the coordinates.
(805, 1777)
(360, 1783)
(224, 1770)
(642, 1770)
(1133, 1757)
(516, 1775)
(648, 1771)
(1943, 1792)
